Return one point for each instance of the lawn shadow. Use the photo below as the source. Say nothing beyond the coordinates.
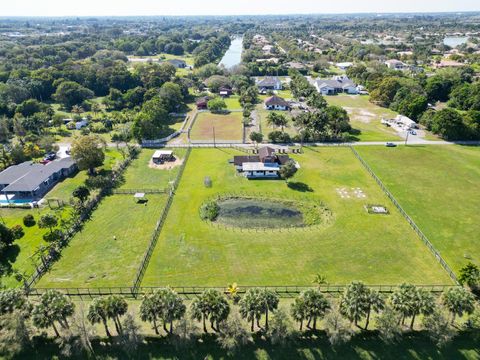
(9, 258)
(299, 186)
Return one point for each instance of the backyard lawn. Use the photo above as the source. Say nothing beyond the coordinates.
(365, 117)
(233, 103)
(378, 249)
(227, 127)
(439, 187)
(95, 257)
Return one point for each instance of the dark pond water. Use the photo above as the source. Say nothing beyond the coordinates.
(258, 214)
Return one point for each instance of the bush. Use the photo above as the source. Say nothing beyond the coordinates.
(209, 211)
(28, 220)
(18, 232)
(279, 137)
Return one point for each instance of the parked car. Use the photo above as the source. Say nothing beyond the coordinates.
(50, 156)
(413, 132)
(390, 144)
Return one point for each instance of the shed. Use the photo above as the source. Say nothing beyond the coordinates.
(160, 156)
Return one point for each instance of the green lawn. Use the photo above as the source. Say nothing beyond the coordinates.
(94, 258)
(233, 103)
(227, 127)
(439, 188)
(140, 176)
(21, 256)
(365, 117)
(356, 246)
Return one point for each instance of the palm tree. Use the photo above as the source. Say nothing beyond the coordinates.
(410, 301)
(211, 305)
(53, 307)
(402, 300)
(424, 304)
(96, 109)
(149, 311)
(12, 300)
(232, 292)
(269, 302)
(354, 303)
(250, 308)
(116, 307)
(277, 120)
(171, 307)
(77, 110)
(98, 313)
(375, 302)
(459, 301)
(299, 310)
(316, 305)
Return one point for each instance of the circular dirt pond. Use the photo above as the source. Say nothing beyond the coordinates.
(252, 213)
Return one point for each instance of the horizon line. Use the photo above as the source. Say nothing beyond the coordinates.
(459, 12)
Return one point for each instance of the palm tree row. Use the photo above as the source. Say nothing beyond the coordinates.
(165, 307)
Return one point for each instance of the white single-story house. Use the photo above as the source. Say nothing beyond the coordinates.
(396, 64)
(269, 83)
(344, 65)
(276, 103)
(338, 84)
(160, 156)
(266, 164)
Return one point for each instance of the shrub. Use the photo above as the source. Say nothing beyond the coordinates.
(18, 232)
(28, 220)
(209, 211)
(279, 137)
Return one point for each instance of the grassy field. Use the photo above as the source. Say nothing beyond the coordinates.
(365, 117)
(439, 188)
(227, 127)
(94, 257)
(354, 247)
(233, 103)
(140, 176)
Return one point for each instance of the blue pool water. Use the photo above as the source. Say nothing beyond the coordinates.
(16, 201)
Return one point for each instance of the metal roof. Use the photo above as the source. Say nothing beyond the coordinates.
(259, 166)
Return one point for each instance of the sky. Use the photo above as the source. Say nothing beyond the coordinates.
(224, 7)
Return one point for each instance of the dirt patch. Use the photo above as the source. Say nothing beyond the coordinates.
(167, 165)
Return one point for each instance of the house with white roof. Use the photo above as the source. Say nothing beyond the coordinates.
(336, 85)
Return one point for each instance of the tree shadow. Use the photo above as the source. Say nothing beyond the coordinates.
(9, 257)
(299, 186)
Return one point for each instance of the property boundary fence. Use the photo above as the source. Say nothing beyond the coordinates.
(158, 228)
(134, 191)
(421, 235)
(54, 253)
(287, 291)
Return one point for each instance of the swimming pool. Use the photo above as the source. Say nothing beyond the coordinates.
(16, 201)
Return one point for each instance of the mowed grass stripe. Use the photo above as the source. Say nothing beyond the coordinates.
(357, 246)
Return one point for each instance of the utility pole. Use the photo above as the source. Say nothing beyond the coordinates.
(406, 139)
(214, 143)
